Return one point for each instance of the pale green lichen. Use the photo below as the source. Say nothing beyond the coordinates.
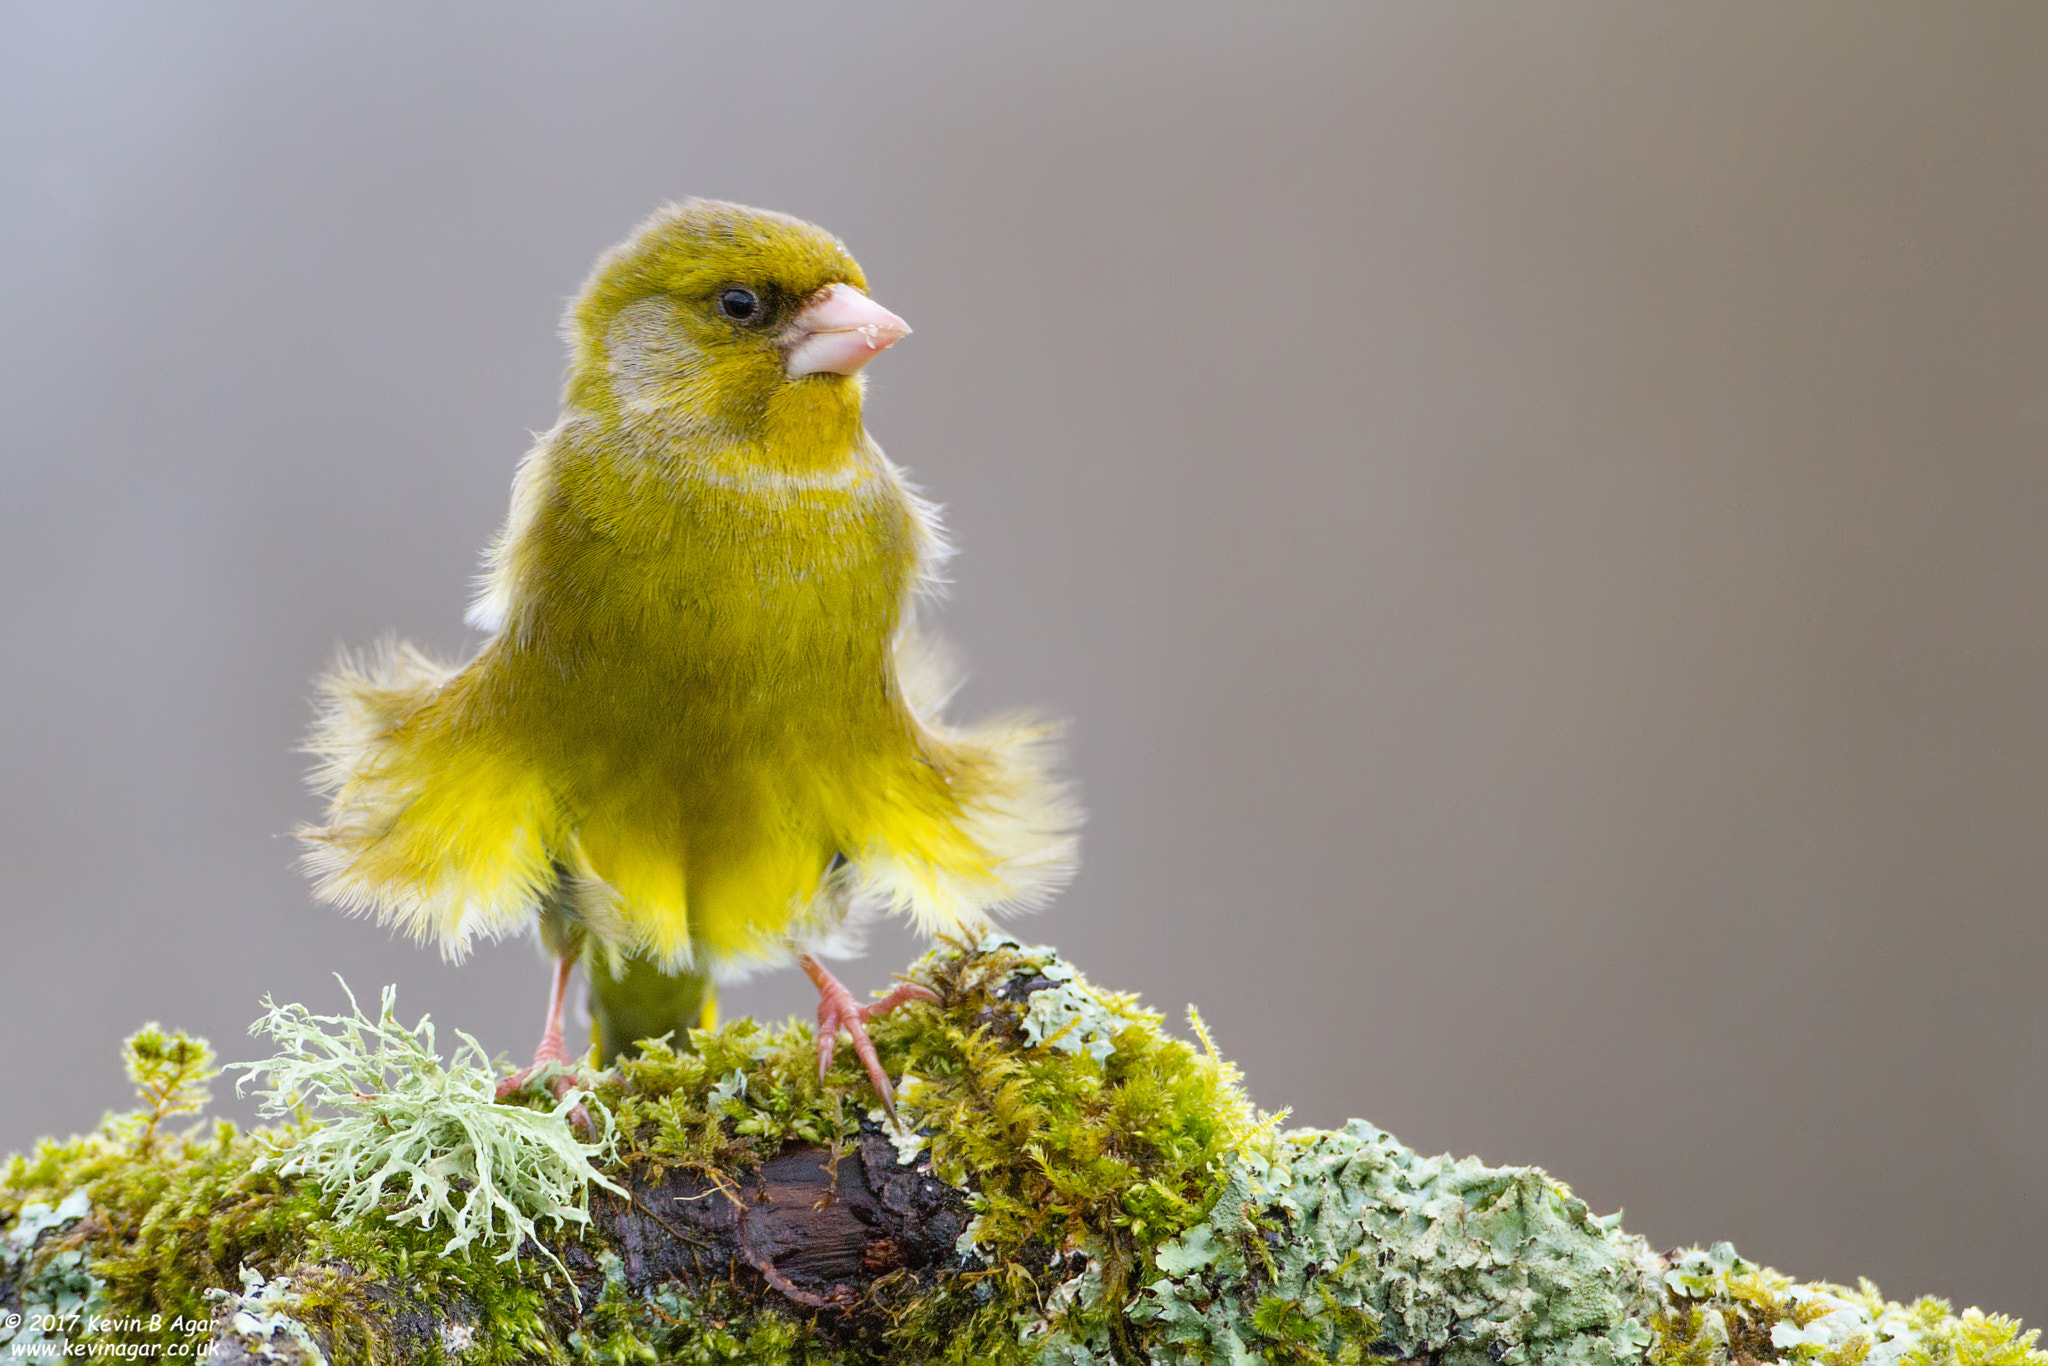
(262, 1322)
(1339, 1245)
(422, 1142)
(57, 1293)
(1068, 1016)
(1721, 1308)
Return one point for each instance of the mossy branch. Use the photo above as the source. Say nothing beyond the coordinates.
(1074, 1186)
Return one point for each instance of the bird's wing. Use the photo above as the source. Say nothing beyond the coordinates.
(430, 826)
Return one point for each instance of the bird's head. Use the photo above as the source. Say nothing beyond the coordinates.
(731, 323)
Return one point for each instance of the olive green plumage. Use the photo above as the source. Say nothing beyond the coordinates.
(704, 728)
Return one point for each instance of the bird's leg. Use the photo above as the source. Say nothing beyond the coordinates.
(552, 1052)
(838, 1010)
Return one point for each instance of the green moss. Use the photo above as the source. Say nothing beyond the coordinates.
(1082, 1159)
(1086, 1136)
(172, 1214)
(1127, 1206)
(170, 1073)
(623, 1329)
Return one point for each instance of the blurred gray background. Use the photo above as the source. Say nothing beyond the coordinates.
(1536, 514)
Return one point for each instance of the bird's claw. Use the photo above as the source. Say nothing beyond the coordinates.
(553, 1066)
(837, 1010)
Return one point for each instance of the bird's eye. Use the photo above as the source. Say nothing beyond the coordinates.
(738, 304)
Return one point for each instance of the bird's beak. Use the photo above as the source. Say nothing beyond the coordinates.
(839, 331)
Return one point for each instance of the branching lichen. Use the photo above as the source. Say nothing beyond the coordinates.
(1121, 1203)
(423, 1142)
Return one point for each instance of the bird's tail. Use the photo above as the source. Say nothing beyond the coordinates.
(635, 1000)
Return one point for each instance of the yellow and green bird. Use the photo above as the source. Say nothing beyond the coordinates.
(704, 733)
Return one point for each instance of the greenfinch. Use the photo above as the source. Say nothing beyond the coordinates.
(704, 732)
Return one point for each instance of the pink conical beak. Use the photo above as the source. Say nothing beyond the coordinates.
(839, 331)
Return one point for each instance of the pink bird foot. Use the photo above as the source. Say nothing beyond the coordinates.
(552, 1055)
(838, 1010)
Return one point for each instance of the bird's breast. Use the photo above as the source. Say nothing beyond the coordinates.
(723, 617)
